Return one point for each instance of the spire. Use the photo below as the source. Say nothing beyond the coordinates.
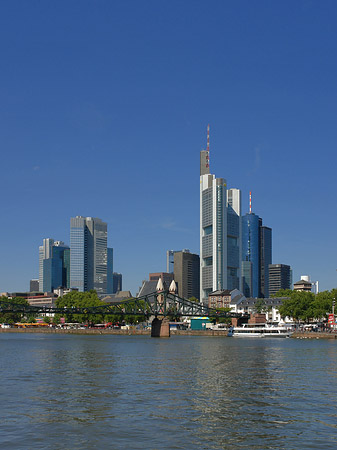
(160, 286)
(173, 287)
(250, 202)
(207, 148)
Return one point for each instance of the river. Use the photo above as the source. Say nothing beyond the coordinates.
(136, 392)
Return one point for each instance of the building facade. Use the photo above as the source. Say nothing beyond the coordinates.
(220, 232)
(117, 282)
(251, 252)
(110, 271)
(187, 274)
(88, 254)
(279, 278)
(54, 266)
(265, 259)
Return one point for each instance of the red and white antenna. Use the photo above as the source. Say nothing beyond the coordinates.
(207, 148)
(208, 138)
(250, 202)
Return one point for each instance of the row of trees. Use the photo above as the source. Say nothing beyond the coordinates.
(306, 306)
(14, 317)
(90, 299)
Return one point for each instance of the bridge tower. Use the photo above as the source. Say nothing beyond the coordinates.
(160, 326)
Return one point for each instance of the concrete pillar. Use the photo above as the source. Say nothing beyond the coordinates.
(160, 327)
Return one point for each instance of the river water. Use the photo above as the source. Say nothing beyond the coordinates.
(136, 392)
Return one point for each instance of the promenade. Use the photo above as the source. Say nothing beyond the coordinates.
(135, 332)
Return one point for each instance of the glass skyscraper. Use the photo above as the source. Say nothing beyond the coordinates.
(251, 252)
(53, 265)
(88, 254)
(220, 232)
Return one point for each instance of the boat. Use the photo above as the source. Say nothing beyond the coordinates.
(261, 330)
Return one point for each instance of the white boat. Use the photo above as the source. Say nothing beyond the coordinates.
(261, 330)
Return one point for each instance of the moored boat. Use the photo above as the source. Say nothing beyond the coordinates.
(261, 330)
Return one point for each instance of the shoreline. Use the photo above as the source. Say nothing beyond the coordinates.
(135, 332)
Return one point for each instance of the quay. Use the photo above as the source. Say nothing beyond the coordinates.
(138, 332)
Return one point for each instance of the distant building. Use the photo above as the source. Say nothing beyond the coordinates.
(89, 255)
(34, 285)
(303, 285)
(166, 277)
(170, 259)
(219, 299)
(187, 274)
(110, 271)
(257, 250)
(279, 277)
(220, 238)
(265, 259)
(53, 265)
(117, 282)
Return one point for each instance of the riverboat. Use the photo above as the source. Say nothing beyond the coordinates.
(261, 330)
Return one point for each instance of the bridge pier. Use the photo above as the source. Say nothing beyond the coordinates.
(160, 327)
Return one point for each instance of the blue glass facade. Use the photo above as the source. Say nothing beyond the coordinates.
(251, 249)
(55, 268)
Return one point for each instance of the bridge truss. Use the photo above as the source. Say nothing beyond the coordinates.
(162, 304)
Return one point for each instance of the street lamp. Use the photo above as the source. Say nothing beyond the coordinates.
(333, 311)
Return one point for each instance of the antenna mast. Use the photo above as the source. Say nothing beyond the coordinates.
(250, 202)
(207, 148)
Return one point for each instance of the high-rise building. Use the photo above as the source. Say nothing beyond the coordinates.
(251, 251)
(117, 282)
(187, 274)
(34, 285)
(88, 254)
(279, 277)
(170, 259)
(110, 271)
(257, 251)
(265, 259)
(53, 265)
(220, 232)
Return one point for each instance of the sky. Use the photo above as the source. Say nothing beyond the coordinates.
(104, 107)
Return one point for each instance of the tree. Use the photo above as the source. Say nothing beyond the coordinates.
(15, 316)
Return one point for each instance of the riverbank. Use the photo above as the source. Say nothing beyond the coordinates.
(135, 332)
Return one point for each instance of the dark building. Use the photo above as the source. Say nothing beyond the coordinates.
(116, 282)
(165, 276)
(187, 274)
(109, 282)
(34, 286)
(265, 259)
(279, 277)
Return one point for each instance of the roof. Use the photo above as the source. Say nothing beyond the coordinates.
(303, 282)
(219, 292)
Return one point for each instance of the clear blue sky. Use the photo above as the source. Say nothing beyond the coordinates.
(103, 111)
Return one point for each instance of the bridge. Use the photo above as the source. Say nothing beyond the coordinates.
(162, 305)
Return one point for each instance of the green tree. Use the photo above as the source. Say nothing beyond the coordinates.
(15, 316)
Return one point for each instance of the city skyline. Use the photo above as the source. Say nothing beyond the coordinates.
(106, 116)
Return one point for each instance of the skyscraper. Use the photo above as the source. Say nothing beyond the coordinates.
(265, 259)
(53, 265)
(251, 252)
(88, 254)
(256, 255)
(279, 277)
(110, 271)
(219, 229)
(187, 274)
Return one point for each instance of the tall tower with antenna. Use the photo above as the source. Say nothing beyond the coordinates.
(220, 237)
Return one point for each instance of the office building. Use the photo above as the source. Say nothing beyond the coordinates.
(219, 229)
(187, 274)
(170, 259)
(265, 259)
(110, 271)
(34, 285)
(279, 278)
(166, 278)
(53, 265)
(256, 255)
(88, 255)
(116, 282)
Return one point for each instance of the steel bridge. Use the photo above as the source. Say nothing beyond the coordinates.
(163, 304)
